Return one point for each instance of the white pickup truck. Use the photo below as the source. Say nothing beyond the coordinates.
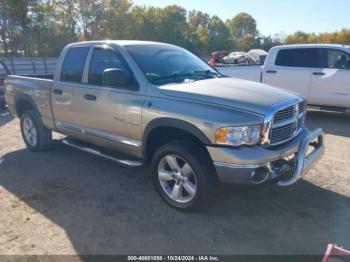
(321, 73)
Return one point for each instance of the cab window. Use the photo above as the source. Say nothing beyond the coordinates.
(335, 59)
(299, 57)
(73, 64)
(101, 60)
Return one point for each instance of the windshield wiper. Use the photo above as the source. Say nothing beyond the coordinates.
(204, 73)
(176, 75)
(209, 73)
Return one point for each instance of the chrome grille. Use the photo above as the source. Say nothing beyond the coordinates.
(284, 114)
(283, 133)
(286, 123)
(302, 106)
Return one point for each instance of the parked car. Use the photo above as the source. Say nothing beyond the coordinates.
(217, 58)
(256, 57)
(235, 58)
(320, 73)
(147, 103)
(3, 74)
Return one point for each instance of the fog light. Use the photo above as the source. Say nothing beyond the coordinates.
(260, 175)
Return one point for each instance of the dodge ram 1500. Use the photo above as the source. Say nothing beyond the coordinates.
(140, 103)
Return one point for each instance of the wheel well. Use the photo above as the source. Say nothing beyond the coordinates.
(23, 105)
(162, 135)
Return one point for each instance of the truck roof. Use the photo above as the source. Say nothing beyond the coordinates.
(118, 42)
(312, 45)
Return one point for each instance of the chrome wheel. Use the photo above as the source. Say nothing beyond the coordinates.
(30, 132)
(177, 178)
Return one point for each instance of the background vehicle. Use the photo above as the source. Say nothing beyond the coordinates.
(217, 57)
(320, 73)
(138, 102)
(235, 58)
(3, 73)
(256, 57)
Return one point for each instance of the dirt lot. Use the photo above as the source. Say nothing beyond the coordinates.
(64, 201)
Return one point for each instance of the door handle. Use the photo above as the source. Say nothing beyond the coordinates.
(90, 97)
(318, 74)
(58, 91)
(271, 71)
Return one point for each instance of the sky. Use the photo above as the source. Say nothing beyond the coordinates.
(274, 16)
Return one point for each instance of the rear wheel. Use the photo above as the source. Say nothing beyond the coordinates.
(183, 175)
(35, 135)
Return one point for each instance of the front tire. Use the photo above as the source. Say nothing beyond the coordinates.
(35, 135)
(183, 175)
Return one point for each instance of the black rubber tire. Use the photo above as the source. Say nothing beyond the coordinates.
(201, 164)
(44, 140)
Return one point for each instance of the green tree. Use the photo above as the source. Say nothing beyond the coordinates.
(242, 24)
(146, 22)
(197, 19)
(244, 33)
(15, 25)
(218, 35)
(267, 42)
(297, 38)
(114, 20)
(173, 25)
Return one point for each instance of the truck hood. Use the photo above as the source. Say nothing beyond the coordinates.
(230, 92)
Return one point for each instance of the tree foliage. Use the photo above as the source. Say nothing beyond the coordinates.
(341, 37)
(44, 27)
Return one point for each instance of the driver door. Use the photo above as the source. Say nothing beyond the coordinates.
(111, 114)
(330, 82)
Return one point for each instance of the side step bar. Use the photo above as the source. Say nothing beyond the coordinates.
(99, 152)
(330, 109)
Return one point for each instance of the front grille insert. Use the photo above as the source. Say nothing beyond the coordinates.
(284, 114)
(286, 123)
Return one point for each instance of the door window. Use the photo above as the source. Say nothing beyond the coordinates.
(73, 64)
(335, 59)
(299, 57)
(101, 60)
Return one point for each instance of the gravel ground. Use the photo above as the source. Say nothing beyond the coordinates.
(64, 201)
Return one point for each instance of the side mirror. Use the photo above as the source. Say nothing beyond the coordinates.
(115, 77)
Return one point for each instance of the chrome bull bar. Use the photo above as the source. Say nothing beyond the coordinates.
(305, 162)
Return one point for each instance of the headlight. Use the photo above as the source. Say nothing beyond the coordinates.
(237, 136)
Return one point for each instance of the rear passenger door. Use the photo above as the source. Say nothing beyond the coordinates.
(292, 70)
(330, 83)
(111, 114)
(66, 92)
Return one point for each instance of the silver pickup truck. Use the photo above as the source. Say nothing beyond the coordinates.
(142, 103)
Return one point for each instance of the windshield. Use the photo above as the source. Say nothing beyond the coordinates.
(164, 64)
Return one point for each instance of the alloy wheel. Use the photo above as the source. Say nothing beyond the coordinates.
(177, 178)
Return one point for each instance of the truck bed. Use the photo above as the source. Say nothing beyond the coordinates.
(36, 90)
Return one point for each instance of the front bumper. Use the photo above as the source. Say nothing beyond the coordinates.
(286, 163)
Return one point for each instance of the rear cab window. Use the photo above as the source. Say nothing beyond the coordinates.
(73, 64)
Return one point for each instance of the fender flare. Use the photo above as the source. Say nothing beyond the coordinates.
(28, 99)
(175, 123)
